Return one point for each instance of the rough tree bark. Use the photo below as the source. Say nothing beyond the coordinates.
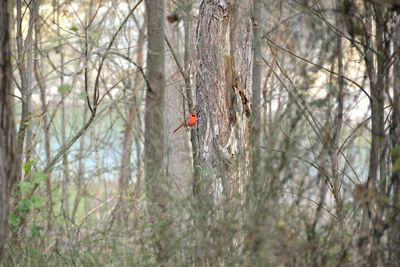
(223, 92)
(394, 235)
(8, 152)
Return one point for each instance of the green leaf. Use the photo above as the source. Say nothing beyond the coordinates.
(31, 163)
(73, 28)
(37, 202)
(14, 219)
(36, 230)
(28, 167)
(24, 205)
(26, 186)
(64, 89)
(39, 177)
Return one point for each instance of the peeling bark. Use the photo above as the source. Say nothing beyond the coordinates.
(223, 83)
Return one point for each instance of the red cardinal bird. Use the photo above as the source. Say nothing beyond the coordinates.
(191, 121)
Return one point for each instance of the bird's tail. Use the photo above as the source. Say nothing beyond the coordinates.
(180, 126)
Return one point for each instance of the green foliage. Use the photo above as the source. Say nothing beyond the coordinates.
(73, 28)
(64, 89)
(26, 186)
(14, 219)
(35, 230)
(39, 177)
(24, 205)
(29, 201)
(37, 202)
(28, 166)
(33, 202)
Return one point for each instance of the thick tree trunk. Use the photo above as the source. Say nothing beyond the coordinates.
(394, 235)
(156, 184)
(224, 82)
(8, 152)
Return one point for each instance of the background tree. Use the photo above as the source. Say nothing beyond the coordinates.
(8, 142)
(154, 155)
(394, 234)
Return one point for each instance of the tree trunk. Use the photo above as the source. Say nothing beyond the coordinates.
(8, 152)
(25, 65)
(181, 164)
(394, 235)
(376, 70)
(223, 94)
(156, 184)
